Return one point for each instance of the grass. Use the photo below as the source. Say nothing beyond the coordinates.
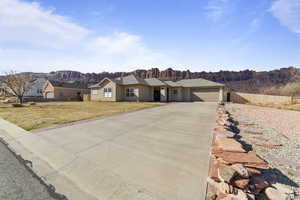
(44, 115)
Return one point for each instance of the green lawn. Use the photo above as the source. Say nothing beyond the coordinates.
(44, 115)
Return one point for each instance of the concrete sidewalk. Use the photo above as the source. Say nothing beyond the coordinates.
(158, 153)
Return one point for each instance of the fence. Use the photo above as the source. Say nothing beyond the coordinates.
(238, 97)
(295, 99)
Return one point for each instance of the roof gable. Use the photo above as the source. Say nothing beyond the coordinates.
(76, 84)
(130, 80)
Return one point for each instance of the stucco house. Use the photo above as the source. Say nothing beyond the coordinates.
(64, 90)
(132, 88)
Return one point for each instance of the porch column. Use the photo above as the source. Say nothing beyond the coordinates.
(163, 94)
(221, 94)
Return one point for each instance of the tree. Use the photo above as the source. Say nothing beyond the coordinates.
(17, 84)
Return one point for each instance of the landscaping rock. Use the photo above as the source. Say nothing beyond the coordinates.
(240, 182)
(229, 145)
(252, 132)
(274, 194)
(259, 183)
(249, 159)
(213, 172)
(241, 170)
(246, 124)
(225, 173)
(285, 191)
(223, 134)
(253, 171)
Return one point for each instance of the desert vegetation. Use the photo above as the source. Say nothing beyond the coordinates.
(286, 90)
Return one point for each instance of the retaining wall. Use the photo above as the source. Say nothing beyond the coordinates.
(238, 97)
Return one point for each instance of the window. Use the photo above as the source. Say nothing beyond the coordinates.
(94, 92)
(129, 92)
(175, 92)
(39, 91)
(107, 92)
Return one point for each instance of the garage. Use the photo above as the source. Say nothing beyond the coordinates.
(205, 94)
(49, 95)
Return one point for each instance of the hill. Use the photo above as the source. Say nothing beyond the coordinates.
(243, 81)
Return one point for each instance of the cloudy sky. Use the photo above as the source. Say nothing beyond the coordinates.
(119, 35)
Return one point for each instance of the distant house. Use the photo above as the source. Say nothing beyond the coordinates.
(64, 90)
(36, 88)
(132, 88)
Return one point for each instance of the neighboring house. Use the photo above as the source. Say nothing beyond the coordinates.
(4, 90)
(64, 90)
(36, 88)
(132, 88)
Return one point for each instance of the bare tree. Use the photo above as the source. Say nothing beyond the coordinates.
(17, 84)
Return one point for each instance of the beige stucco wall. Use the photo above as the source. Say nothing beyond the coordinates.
(64, 93)
(100, 92)
(186, 94)
(175, 97)
(238, 97)
(141, 93)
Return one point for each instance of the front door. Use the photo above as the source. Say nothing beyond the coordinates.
(156, 94)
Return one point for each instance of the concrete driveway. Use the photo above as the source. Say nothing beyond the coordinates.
(158, 153)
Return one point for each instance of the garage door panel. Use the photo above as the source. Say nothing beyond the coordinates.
(205, 94)
(50, 95)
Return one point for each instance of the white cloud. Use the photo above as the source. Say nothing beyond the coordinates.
(30, 23)
(45, 39)
(288, 13)
(216, 9)
(127, 47)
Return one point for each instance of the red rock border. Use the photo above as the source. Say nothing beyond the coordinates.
(235, 173)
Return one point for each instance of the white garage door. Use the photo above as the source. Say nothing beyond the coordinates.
(205, 94)
(50, 95)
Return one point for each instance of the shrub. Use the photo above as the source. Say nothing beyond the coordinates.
(17, 105)
(32, 103)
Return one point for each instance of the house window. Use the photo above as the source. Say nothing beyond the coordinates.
(129, 92)
(39, 91)
(94, 92)
(107, 92)
(175, 92)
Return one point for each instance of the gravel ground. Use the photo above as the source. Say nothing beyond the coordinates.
(286, 122)
(17, 182)
(280, 127)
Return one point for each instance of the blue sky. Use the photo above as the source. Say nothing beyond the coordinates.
(118, 35)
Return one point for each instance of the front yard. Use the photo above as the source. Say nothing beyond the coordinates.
(44, 115)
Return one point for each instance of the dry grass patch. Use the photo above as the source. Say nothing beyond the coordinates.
(44, 115)
(295, 107)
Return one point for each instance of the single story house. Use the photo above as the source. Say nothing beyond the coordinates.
(64, 90)
(132, 88)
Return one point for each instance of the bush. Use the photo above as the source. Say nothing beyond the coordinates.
(32, 103)
(17, 105)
